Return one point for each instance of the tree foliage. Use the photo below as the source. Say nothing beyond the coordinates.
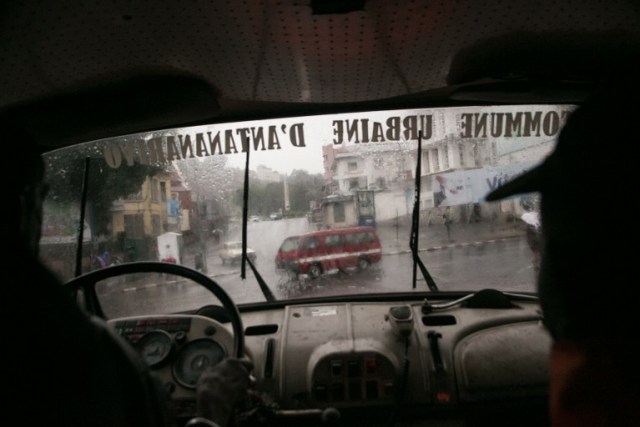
(66, 176)
(267, 197)
(304, 188)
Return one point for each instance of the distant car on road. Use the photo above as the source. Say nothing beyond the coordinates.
(231, 253)
(275, 215)
(254, 218)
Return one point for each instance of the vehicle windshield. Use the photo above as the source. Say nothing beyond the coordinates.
(331, 207)
(290, 244)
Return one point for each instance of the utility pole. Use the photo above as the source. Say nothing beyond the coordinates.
(287, 204)
(202, 232)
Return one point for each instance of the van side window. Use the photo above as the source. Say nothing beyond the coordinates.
(333, 240)
(351, 239)
(312, 243)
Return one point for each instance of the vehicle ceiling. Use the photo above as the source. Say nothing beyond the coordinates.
(74, 71)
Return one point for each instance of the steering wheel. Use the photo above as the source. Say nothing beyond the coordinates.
(87, 284)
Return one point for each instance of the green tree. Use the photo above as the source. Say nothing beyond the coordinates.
(267, 197)
(264, 198)
(66, 174)
(304, 188)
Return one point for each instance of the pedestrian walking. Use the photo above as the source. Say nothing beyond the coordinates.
(447, 223)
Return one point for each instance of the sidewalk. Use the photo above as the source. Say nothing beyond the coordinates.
(395, 237)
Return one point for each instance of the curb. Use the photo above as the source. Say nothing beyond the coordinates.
(452, 245)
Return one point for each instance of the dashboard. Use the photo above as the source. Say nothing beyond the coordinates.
(463, 365)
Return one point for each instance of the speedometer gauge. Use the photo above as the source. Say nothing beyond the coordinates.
(155, 347)
(194, 358)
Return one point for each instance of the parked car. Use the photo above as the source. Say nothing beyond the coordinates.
(275, 216)
(254, 218)
(231, 253)
(330, 250)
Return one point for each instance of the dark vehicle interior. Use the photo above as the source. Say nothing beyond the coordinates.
(74, 72)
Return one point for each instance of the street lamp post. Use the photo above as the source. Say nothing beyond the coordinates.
(201, 229)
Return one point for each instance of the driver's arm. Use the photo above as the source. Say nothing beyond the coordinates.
(219, 389)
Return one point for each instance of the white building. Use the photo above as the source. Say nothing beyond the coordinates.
(447, 155)
(266, 174)
(372, 166)
(389, 169)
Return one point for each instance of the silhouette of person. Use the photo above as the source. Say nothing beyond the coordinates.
(82, 373)
(588, 286)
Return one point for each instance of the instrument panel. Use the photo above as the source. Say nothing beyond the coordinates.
(177, 348)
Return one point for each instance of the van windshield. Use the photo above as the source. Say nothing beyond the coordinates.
(290, 244)
(180, 193)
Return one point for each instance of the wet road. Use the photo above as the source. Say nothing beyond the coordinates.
(502, 263)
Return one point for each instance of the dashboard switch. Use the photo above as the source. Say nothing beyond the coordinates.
(355, 390)
(320, 391)
(337, 391)
(372, 389)
(371, 365)
(336, 368)
(353, 368)
(388, 388)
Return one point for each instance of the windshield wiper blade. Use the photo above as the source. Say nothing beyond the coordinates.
(415, 226)
(245, 259)
(83, 210)
(263, 285)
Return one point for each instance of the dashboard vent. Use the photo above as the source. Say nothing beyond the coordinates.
(438, 320)
(261, 330)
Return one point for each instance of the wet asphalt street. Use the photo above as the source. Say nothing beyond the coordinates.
(469, 257)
